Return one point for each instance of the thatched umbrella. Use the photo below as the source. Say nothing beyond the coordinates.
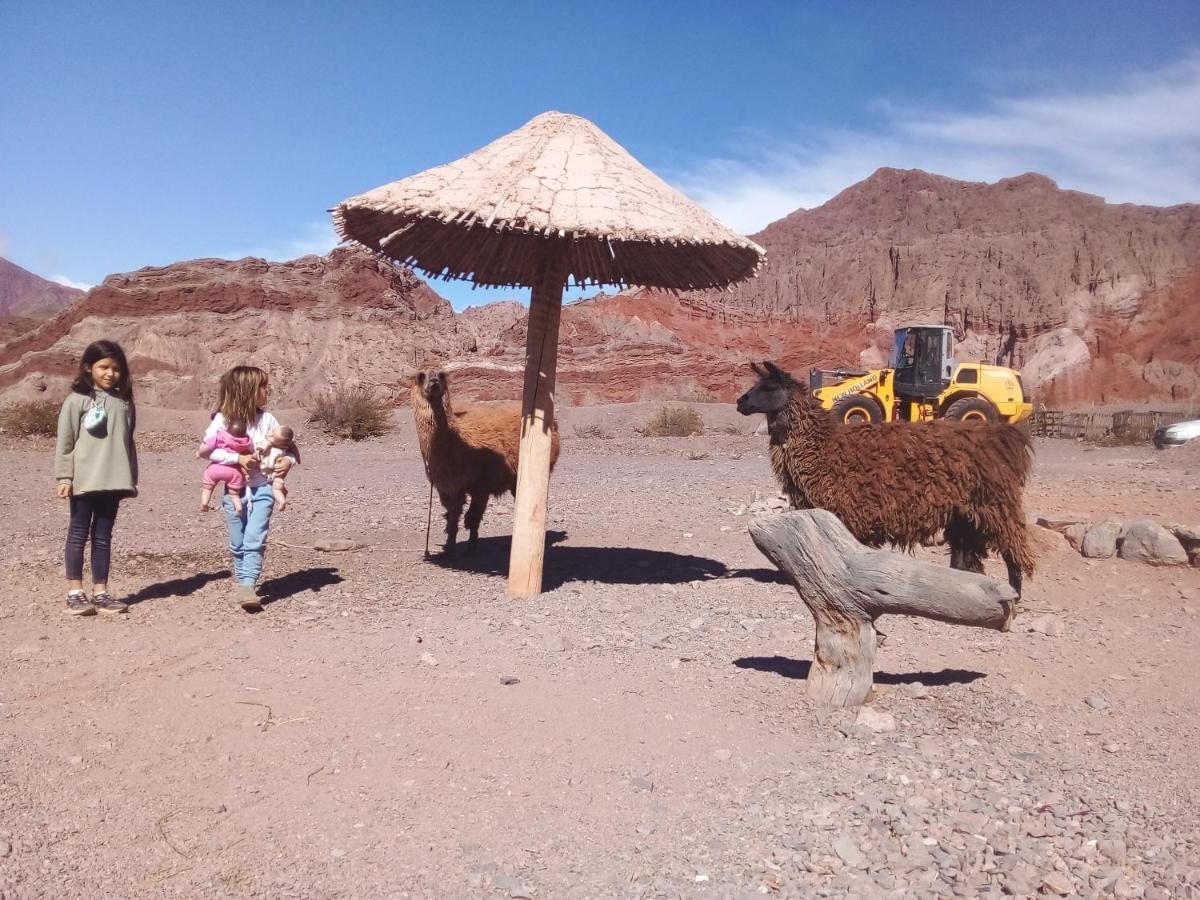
(555, 199)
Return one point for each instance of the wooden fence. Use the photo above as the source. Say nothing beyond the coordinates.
(1123, 426)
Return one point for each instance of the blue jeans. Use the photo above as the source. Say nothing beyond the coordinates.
(248, 532)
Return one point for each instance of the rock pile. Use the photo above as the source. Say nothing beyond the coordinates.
(1140, 540)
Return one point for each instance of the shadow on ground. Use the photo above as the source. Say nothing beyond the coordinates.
(177, 587)
(293, 583)
(798, 668)
(607, 565)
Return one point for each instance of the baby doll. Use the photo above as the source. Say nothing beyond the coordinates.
(279, 444)
(233, 438)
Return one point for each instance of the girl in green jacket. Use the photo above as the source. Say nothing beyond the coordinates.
(95, 467)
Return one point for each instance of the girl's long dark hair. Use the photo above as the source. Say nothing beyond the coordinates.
(92, 354)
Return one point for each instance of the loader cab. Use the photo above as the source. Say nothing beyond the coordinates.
(923, 361)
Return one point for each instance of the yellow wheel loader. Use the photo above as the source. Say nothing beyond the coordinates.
(924, 382)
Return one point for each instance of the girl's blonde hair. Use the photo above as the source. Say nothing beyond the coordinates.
(238, 397)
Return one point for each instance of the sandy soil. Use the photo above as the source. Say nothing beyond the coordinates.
(394, 727)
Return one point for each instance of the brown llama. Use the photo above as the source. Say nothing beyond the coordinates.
(469, 451)
(900, 482)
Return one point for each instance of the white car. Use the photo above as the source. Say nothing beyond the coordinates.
(1179, 433)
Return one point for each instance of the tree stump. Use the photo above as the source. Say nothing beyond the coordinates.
(847, 586)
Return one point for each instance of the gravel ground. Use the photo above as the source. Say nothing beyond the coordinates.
(395, 727)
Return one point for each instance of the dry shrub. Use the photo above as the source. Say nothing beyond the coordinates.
(675, 421)
(31, 417)
(351, 412)
(593, 431)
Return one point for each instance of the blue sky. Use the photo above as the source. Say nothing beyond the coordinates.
(136, 134)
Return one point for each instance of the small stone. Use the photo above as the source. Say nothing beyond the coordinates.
(1047, 625)
(1095, 701)
(1114, 850)
(337, 853)
(1111, 748)
(875, 720)
(76, 761)
(509, 679)
(429, 659)
(696, 624)
(219, 808)
(723, 755)
(638, 783)
(1058, 883)
(656, 641)
(849, 853)
(5, 849)
(552, 642)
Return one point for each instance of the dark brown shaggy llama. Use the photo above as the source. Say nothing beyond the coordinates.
(901, 482)
(470, 451)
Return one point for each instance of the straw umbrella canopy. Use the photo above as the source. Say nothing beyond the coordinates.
(556, 199)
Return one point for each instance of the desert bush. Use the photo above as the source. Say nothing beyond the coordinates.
(593, 431)
(30, 417)
(675, 421)
(350, 412)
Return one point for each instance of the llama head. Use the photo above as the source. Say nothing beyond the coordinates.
(770, 393)
(433, 384)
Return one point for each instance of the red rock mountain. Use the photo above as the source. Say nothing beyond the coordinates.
(312, 322)
(24, 294)
(1093, 301)
(1021, 257)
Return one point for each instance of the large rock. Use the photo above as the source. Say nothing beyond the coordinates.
(1075, 533)
(1051, 355)
(1060, 522)
(1189, 536)
(1147, 541)
(1100, 541)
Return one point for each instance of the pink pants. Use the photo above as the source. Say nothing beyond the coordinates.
(232, 476)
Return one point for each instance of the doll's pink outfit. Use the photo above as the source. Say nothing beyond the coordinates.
(233, 477)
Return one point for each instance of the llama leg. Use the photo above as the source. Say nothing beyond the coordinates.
(474, 516)
(1014, 571)
(453, 504)
(967, 549)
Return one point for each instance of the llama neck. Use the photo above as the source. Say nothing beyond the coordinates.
(431, 421)
(802, 420)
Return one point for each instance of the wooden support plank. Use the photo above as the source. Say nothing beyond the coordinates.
(537, 418)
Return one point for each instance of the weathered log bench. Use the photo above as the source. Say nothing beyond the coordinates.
(847, 586)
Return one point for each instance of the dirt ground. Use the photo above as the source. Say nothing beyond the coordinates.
(394, 727)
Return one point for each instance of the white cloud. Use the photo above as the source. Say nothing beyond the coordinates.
(1137, 142)
(71, 283)
(314, 238)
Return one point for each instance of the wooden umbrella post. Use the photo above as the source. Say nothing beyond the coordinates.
(537, 417)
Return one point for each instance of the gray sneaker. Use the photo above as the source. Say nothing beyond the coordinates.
(79, 605)
(247, 598)
(107, 604)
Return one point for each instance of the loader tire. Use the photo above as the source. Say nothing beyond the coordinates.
(975, 410)
(858, 409)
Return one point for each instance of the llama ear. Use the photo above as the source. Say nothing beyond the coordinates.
(772, 368)
(420, 378)
(758, 370)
